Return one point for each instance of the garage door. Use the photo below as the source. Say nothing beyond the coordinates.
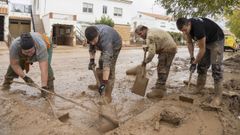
(17, 27)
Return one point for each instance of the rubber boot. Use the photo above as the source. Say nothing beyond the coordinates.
(217, 99)
(157, 92)
(107, 98)
(94, 87)
(201, 81)
(134, 70)
(6, 84)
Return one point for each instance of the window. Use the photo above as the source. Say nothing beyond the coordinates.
(117, 11)
(20, 8)
(87, 8)
(104, 10)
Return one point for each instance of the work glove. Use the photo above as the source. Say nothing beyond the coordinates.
(91, 64)
(28, 80)
(102, 87)
(191, 60)
(193, 67)
(44, 93)
(144, 64)
(145, 49)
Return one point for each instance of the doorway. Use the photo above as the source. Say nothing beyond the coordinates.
(1, 28)
(62, 34)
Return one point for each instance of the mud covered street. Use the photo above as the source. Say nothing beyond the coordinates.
(24, 112)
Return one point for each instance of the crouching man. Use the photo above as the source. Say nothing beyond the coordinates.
(161, 43)
(109, 42)
(25, 50)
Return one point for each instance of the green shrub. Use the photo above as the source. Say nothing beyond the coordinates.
(105, 20)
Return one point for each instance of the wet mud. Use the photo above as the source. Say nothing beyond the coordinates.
(23, 111)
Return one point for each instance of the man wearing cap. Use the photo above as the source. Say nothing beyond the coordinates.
(24, 50)
(109, 42)
(161, 43)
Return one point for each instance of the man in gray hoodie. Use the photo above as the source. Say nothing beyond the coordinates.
(109, 42)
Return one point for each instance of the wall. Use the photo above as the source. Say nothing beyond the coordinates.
(124, 31)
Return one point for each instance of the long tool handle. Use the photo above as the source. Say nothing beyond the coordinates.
(98, 82)
(144, 67)
(189, 80)
(53, 93)
(95, 75)
(51, 106)
(85, 107)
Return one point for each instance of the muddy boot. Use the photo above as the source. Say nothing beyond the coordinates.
(6, 84)
(217, 99)
(107, 98)
(158, 86)
(93, 87)
(201, 81)
(134, 70)
(157, 92)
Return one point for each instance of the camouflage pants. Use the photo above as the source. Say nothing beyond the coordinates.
(213, 56)
(10, 75)
(113, 60)
(164, 63)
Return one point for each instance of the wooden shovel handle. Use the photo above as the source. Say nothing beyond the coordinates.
(95, 75)
(144, 66)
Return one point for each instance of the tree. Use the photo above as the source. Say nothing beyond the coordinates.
(234, 23)
(105, 20)
(194, 8)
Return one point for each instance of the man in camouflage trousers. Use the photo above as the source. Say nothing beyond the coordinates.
(161, 43)
(210, 40)
(109, 42)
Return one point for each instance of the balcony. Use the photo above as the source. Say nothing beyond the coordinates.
(20, 8)
(59, 16)
(4, 7)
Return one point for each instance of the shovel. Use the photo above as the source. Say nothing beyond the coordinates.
(141, 82)
(189, 80)
(62, 118)
(109, 118)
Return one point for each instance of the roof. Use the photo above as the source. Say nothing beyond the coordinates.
(124, 1)
(157, 16)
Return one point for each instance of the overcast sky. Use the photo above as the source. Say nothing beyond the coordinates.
(147, 6)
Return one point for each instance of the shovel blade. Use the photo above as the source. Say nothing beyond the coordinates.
(64, 117)
(140, 85)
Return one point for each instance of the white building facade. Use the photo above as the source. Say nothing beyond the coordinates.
(80, 13)
(166, 23)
